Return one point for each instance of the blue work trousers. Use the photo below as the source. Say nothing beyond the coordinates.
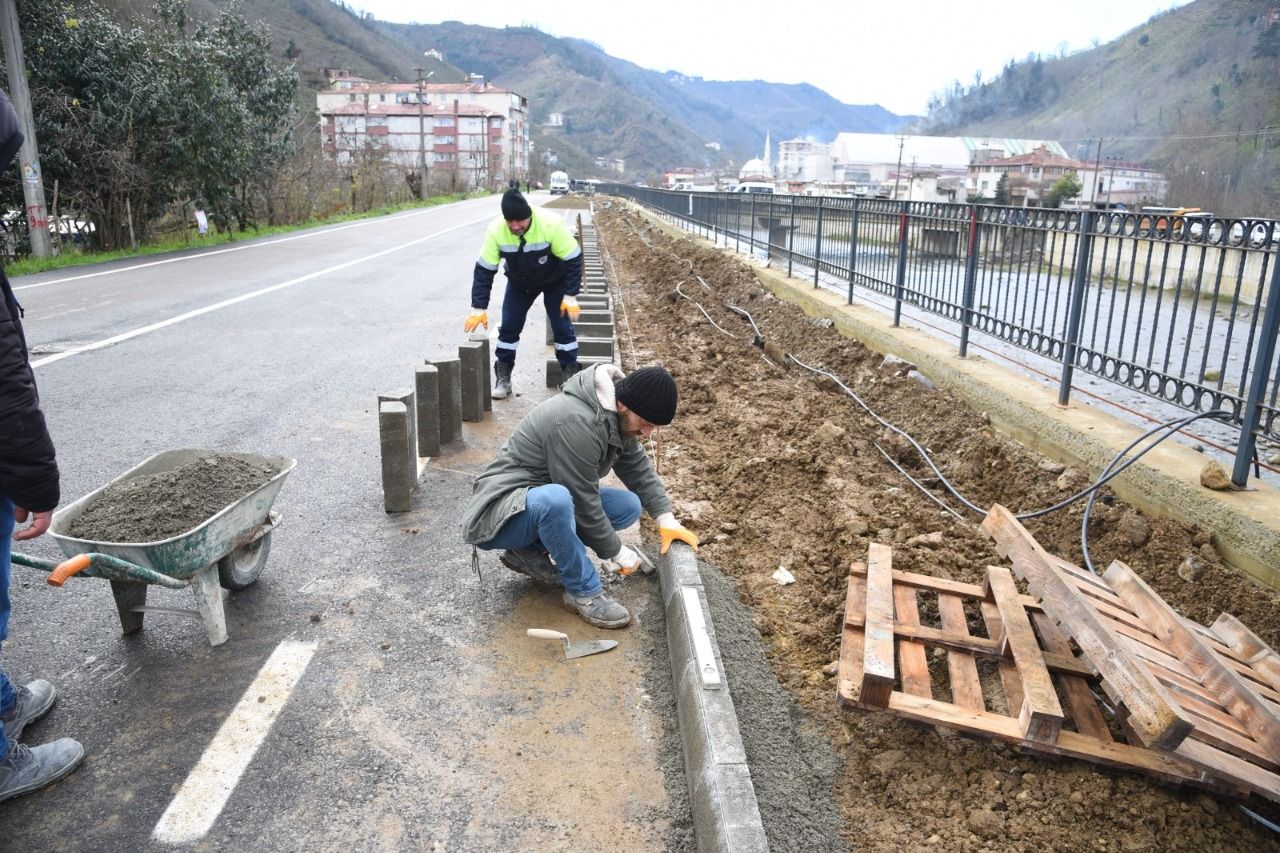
(515, 307)
(548, 523)
(7, 694)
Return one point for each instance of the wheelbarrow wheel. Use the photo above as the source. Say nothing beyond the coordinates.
(242, 566)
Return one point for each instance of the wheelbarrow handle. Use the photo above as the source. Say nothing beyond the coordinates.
(67, 568)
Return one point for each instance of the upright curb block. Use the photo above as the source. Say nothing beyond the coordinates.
(393, 436)
(474, 389)
(427, 390)
(410, 451)
(726, 816)
(450, 398)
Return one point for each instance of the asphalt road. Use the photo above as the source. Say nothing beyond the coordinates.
(412, 712)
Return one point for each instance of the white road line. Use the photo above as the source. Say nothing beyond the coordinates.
(199, 801)
(362, 223)
(124, 336)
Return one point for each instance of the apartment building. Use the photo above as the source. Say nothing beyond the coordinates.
(471, 134)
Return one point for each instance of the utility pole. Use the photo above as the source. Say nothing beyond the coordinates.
(422, 136)
(1097, 174)
(902, 140)
(422, 141)
(29, 153)
(1111, 178)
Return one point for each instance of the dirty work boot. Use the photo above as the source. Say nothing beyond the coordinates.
(34, 700)
(501, 380)
(26, 769)
(599, 610)
(535, 564)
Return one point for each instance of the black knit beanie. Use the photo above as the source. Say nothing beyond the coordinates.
(514, 207)
(650, 392)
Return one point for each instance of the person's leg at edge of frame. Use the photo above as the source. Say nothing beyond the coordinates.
(24, 769)
(7, 693)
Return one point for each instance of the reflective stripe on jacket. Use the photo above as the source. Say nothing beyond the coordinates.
(544, 258)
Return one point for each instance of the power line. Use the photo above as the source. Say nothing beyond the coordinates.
(1262, 131)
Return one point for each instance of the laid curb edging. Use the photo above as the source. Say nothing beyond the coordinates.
(726, 816)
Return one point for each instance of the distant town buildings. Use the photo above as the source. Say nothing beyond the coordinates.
(471, 134)
(937, 168)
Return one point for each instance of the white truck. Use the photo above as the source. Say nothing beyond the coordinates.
(559, 183)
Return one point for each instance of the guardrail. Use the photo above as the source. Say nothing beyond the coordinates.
(1182, 309)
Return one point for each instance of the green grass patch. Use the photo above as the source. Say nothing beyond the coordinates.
(73, 257)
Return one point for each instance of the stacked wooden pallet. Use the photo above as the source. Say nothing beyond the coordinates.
(1098, 668)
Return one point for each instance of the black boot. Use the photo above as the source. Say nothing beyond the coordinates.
(501, 380)
(568, 371)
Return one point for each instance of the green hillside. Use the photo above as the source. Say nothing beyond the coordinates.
(1195, 90)
(653, 120)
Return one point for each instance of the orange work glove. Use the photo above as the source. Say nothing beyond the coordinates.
(569, 307)
(671, 530)
(477, 317)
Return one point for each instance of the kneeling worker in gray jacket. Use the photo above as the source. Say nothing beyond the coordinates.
(542, 492)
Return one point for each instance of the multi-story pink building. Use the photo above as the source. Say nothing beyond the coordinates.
(470, 134)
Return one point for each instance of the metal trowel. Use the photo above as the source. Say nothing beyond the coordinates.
(572, 650)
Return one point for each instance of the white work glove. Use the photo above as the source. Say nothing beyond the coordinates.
(670, 530)
(569, 308)
(627, 561)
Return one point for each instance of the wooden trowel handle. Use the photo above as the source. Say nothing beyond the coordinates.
(546, 634)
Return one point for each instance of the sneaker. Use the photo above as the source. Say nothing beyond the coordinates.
(26, 768)
(535, 564)
(501, 380)
(34, 700)
(599, 610)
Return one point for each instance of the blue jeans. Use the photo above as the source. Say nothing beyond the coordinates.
(515, 307)
(7, 694)
(547, 522)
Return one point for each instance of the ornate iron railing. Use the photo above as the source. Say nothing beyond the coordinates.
(1184, 309)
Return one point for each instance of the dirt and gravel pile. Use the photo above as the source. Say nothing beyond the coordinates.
(162, 505)
(774, 465)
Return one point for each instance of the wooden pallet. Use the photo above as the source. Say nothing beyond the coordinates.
(1209, 697)
(885, 653)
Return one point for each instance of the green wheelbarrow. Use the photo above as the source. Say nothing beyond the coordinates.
(228, 550)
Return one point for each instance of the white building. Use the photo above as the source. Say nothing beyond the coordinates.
(883, 157)
(804, 160)
(475, 132)
(1111, 182)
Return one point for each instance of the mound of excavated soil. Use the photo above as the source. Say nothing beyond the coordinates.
(772, 465)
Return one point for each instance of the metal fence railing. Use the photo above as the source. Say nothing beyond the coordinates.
(1182, 309)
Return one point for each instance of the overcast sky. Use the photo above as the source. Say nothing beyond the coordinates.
(887, 53)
